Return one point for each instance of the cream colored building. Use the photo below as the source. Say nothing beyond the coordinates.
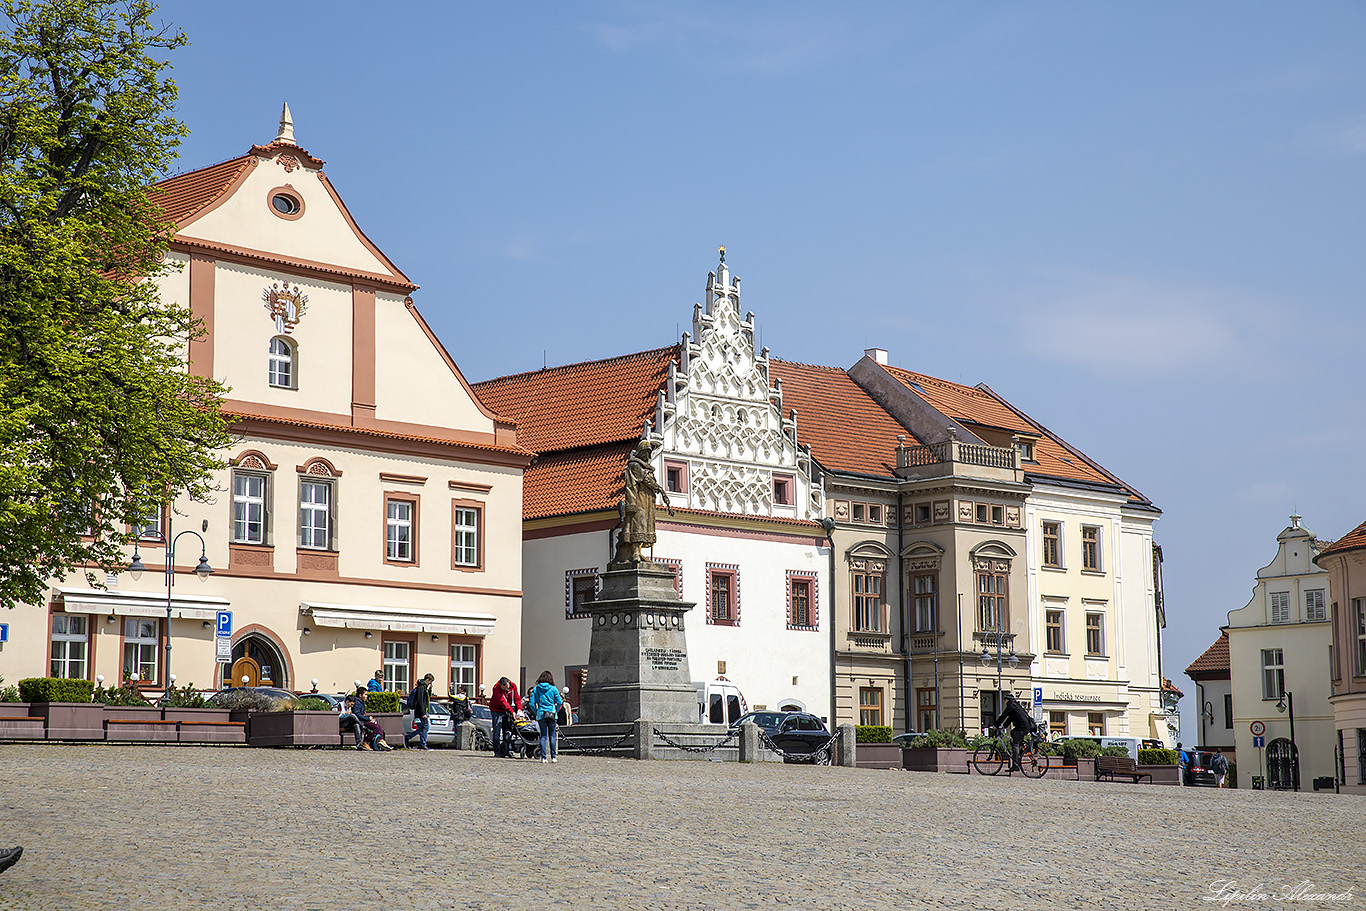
(1345, 561)
(368, 515)
(1279, 662)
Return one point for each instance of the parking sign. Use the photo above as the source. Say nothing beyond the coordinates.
(1038, 695)
(225, 623)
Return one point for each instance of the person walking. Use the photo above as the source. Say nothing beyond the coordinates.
(376, 684)
(545, 705)
(504, 705)
(420, 703)
(1220, 766)
(1182, 760)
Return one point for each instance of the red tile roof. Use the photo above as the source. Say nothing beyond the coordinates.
(235, 415)
(1213, 661)
(1350, 541)
(1171, 687)
(574, 481)
(845, 428)
(185, 194)
(584, 404)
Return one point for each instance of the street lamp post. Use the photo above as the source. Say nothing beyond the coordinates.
(1013, 660)
(1288, 699)
(136, 569)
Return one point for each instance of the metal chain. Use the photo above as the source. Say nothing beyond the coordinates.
(819, 757)
(735, 732)
(593, 751)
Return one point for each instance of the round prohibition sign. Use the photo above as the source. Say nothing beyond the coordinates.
(1257, 728)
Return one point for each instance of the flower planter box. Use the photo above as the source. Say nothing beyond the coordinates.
(132, 713)
(392, 725)
(70, 720)
(18, 722)
(207, 725)
(197, 715)
(140, 730)
(15, 709)
(292, 729)
(936, 759)
(878, 756)
(1163, 773)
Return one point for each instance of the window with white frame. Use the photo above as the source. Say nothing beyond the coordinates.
(70, 645)
(140, 641)
(1273, 673)
(1095, 633)
(397, 666)
(1280, 607)
(399, 530)
(464, 667)
(249, 507)
(465, 536)
(1314, 606)
(282, 373)
(923, 588)
(315, 514)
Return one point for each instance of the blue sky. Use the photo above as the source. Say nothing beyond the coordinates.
(1142, 224)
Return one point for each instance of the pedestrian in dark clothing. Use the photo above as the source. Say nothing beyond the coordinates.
(504, 706)
(1220, 766)
(420, 703)
(1021, 725)
(372, 726)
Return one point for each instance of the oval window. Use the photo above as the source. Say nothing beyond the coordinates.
(285, 204)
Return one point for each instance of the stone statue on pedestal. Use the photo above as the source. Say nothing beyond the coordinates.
(638, 523)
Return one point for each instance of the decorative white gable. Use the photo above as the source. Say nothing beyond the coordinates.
(718, 416)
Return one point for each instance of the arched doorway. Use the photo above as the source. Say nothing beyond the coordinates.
(269, 664)
(1283, 765)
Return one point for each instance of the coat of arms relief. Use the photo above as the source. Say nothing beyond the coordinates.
(286, 306)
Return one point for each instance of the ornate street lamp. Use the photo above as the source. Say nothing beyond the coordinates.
(203, 570)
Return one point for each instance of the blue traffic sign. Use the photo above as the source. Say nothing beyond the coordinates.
(1259, 742)
(225, 623)
(4, 632)
(1038, 695)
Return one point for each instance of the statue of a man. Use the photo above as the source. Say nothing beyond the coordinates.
(638, 525)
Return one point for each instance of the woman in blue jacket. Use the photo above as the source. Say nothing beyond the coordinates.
(545, 702)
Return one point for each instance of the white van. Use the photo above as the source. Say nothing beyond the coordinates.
(719, 701)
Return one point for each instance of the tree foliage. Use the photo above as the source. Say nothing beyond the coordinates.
(100, 423)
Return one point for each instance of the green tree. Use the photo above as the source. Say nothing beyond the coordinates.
(100, 423)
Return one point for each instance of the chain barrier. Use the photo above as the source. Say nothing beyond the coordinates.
(822, 756)
(593, 751)
(735, 732)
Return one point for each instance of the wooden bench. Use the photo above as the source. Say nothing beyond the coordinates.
(19, 727)
(1110, 766)
(213, 732)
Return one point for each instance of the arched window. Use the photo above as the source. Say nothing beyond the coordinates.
(282, 372)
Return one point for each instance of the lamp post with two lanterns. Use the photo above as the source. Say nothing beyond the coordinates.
(136, 569)
(1287, 700)
(1013, 660)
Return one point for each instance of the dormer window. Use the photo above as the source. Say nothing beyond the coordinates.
(1026, 448)
(282, 373)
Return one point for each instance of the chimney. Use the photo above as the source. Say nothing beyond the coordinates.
(877, 354)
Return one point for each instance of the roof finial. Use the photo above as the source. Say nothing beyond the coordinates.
(286, 133)
(722, 251)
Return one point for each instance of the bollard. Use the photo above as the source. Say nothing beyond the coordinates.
(749, 742)
(464, 736)
(645, 739)
(848, 746)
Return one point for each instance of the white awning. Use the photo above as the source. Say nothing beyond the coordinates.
(399, 619)
(139, 604)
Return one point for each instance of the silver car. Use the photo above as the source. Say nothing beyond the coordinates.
(441, 729)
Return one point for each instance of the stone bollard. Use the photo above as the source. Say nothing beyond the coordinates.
(464, 736)
(645, 739)
(749, 742)
(848, 746)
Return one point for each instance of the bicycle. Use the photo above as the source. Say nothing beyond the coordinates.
(990, 758)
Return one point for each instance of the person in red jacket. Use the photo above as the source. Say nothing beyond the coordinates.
(504, 703)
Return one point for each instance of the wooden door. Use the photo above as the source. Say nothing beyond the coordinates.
(248, 668)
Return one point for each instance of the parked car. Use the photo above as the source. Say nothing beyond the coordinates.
(768, 722)
(1200, 771)
(801, 736)
(904, 740)
(273, 692)
(334, 701)
(482, 718)
(441, 731)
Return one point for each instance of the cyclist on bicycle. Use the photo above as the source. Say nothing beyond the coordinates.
(1021, 725)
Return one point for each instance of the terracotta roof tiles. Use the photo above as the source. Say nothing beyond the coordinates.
(1350, 541)
(185, 194)
(1214, 660)
(374, 432)
(574, 481)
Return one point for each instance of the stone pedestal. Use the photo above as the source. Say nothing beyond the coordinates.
(638, 656)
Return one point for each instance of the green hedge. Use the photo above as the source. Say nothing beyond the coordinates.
(312, 704)
(873, 733)
(940, 740)
(1115, 750)
(382, 702)
(1080, 748)
(1157, 757)
(55, 689)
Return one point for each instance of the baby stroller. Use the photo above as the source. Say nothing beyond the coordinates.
(526, 737)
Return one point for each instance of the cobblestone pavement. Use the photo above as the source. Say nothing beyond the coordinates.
(126, 827)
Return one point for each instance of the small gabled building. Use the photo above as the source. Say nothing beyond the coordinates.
(1214, 697)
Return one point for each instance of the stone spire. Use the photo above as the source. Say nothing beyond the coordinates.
(286, 133)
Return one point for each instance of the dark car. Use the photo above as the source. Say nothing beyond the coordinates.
(482, 718)
(1200, 771)
(274, 692)
(801, 736)
(905, 740)
(768, 722)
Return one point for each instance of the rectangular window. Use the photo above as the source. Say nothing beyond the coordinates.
(723, 594)
(925, 709)
(151, 527)
(870, 705)
(70, 647)
(860, 512)
(315, 515)
(248, 508)
(1057, 724)
(1051, 555)
(991, 601)
(1280, 607)
(922, 513)
(998, 515)
(581, 590)
(465, 535)
(1090, 548)
(1026, 449)
(987, 706)
(1314, 608)
(923, 589)
(1053, 631)
(1228, 711)
(1095, 724)
(397, 667)
(983, 515)
(400, 531)
(868, 602)
(1359, 610)
(800, 606)
(676, 477)
(874, 513)
(1095, 634)
(782, 490)
(1273, 673)
(140, 641)
(464, 667)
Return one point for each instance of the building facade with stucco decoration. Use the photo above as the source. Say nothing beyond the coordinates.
(1345, 561)
(368, 511)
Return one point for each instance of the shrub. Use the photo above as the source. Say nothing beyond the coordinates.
(1080, 748)
(54, 689)
(312, 704)
(385, 702)
(1114, 751)
(977, 741)
(119, 695)
(250, 701)
(940, 740)
(872, 733)
(1157, 757)
(9, 693)
(184, 697)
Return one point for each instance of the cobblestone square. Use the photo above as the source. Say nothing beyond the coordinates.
(126, 827)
